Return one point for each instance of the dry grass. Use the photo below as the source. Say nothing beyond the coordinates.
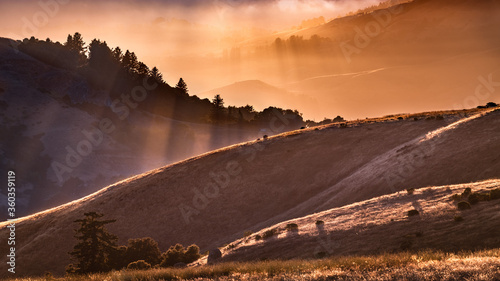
(425, 265)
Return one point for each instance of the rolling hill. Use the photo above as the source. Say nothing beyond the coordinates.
(417, 56)
(212, 199)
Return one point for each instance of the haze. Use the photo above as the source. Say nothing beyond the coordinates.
(214, 44)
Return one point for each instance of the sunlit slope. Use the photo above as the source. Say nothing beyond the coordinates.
(382, 225)
(212, 199)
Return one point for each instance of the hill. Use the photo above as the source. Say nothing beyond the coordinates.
(257, 184)
(260, 95)
(74, 126)
(382, 225)
(417, 56)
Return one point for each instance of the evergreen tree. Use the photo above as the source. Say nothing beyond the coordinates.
(95, 245)
(117, 54)
(76, 46)
(129, 61)
(181, 85)
(218, 109)
(158, 77)
(142, 69)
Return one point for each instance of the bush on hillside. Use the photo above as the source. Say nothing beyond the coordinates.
(495, 194)
(410, 190)
(139, 265)
(413, 212)
(177, 253)
(269, 233)
(320, 222)
(143, 249)
(466, 192)
(292, 227)
(463, 205)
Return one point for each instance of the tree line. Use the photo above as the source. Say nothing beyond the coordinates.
(114, 71)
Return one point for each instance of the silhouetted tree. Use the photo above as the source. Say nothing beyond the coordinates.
(217, 101)
(129, 61)
(100, 56)
(95, 245)
(181, 85)
(158, 77)
(218, 109)
(117, 54)
(142, 69)
(76, 45)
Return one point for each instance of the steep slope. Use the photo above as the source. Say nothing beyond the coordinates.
(48, 113)
(212, 199)
(382, 225)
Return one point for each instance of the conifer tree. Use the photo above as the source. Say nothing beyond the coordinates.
(95, 245)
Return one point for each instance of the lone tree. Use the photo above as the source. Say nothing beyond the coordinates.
(95, 245)
(218, 109)
(181, 85)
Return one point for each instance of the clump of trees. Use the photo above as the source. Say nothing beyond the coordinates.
(97, 250)
(115, 72)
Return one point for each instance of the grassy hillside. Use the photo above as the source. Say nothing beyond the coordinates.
(382, 225)
(427, 265)
(258, 184)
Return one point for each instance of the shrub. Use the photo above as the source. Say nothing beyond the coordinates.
(466, 192)
(192, 253)
(400, 118)
(269, 233)
(473, 199)
(319, 222)
(176, 254)
(143, 249)
(495, 194)
(463, 205)
(458, 218)
(410, 190)
(265, 137)
(292, 227)
(139, 265)
(491, 104)
(258, 237)
(413, 212)
(439, 117)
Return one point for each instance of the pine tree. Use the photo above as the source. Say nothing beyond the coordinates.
(181, 85)
(94, 247)
(157, 76)
(218, 109)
